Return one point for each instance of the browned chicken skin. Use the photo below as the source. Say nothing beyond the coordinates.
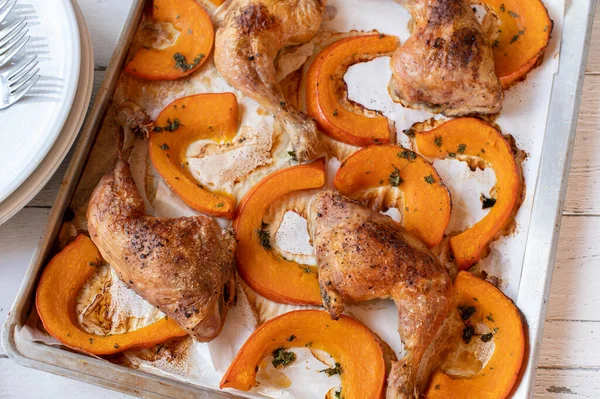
(363, 255)
(183, 266)
(249, 37)
(447, 64)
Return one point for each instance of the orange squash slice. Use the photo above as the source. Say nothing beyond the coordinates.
(57, 291)
(184, 121)
(520, 37)
(273, 277)
(344, 120)
(190, 48)
(491, 307)
(469, 137)
(348, 341)
(425, 203)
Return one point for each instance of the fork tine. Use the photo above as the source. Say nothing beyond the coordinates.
(12, 50)
(16, 96)
(19, 31)
(6, 45)
(7, 30)
(15, 86)
(6, 9)
(23, 68)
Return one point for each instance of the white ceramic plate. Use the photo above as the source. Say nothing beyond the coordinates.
(29, 128)
(40, 176)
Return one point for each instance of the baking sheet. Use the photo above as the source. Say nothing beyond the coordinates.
(533, 137)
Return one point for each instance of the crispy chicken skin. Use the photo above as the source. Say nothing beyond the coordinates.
(249, 37)
(447, 64)
(184, 266)
(364, 255)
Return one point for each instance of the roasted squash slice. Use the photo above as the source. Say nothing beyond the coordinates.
(425, 203)
(327, 96)
(483, 304)
(184, 121)
(469, 138)
(348, 341)
(57, 291)
(175, 54)
(273, 277)
(519, 37)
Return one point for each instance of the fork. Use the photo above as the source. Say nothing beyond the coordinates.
(5, 7)
(17, 81)
(12, 39)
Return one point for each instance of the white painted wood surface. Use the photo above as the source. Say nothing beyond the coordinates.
(570, 356)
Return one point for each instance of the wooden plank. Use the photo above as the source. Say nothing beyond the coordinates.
(18, 239)
(20, 382)
(567, 384)
(570, 344)
(574, 294)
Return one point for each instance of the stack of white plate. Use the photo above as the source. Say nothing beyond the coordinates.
(37, 132)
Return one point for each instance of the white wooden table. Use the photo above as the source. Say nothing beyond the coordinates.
(570, 358)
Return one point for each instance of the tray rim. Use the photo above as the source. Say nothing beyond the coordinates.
(535, 280)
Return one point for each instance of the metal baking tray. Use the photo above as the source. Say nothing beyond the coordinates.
(540, 252)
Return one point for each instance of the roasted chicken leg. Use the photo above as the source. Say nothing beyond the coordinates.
(250, 35)
(364, 255)
(183, 266)
(447, 64)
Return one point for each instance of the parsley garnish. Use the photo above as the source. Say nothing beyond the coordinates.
(513, 14)
(292, 154)
(331, 371)
(220, 205)
(410, 132)
(452, 154)
(407, 154)
(395, 179)
(438, 141)
(281, 357)
(171, 126)
(291, 338)
(265, 238)
(502, 8)
(97, 263)
(181, 62)
(461, 148)
(165, 147)
(429, 179)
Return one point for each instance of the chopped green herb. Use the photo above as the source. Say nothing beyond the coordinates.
(495, 44)
(487, 202)
(338, 394)
(335, 113)
(468, 333)
(437, 387)
(165, 147)
(514, 39)
(490, 318)
(487, 337)
(116, 346)
(265, 238)
(546, 28)
(171, 126)
(407, 154)
(438, 141)
(305, 269)
(91, 340)
(395, 179)
(452, 154)
(284, 358)
(466, 312)
(410, 132)
(97, 263)
(291, 338)
(331, 371)
(292, 155)
(220, 205)
(502, 8)
(461, 148)
(429, 179)
(181, 62)
(513, 14)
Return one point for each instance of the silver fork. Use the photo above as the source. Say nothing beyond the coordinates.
(17, 81)
(12, 39)
(5, 7)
